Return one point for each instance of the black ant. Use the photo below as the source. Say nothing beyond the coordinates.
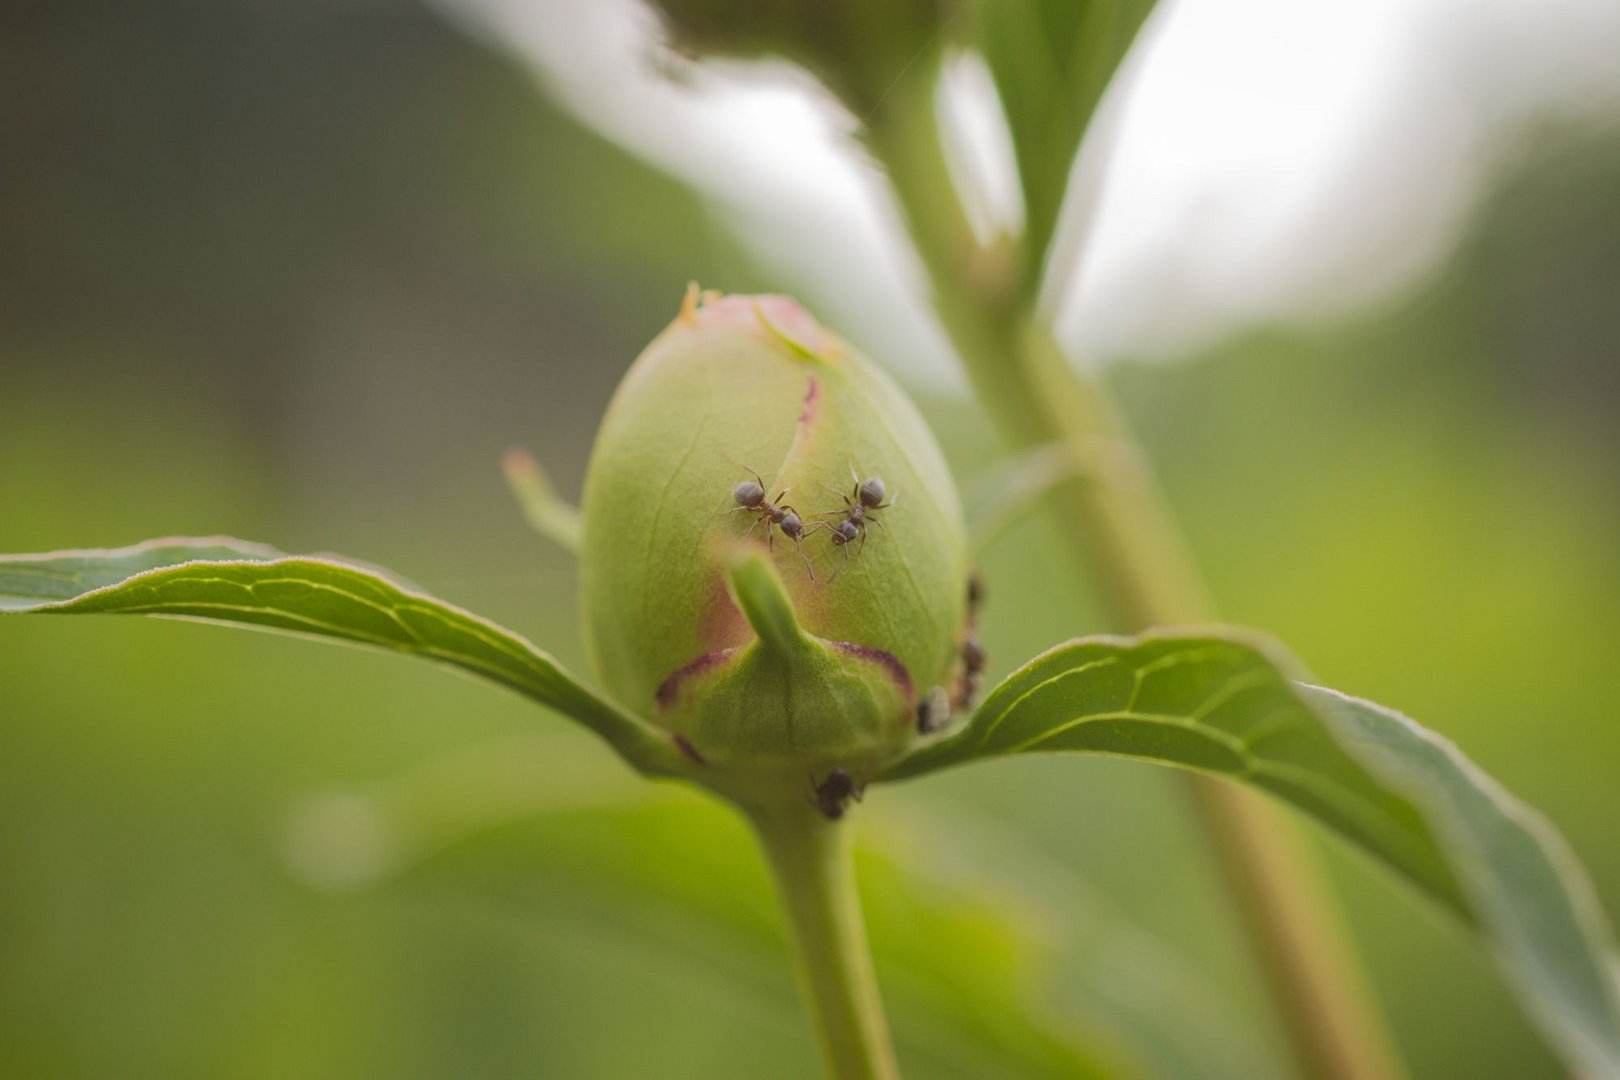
(857, 513)
(971, 652)
(833, 794)
(967, 684)
(749, 495)
(975, 597)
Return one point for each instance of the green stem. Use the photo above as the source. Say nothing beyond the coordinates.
(1137, 553)
(1117, 517)
(814, 872)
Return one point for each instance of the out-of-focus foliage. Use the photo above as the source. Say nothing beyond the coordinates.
(303, 272)
(855, 47)
(1051, 60)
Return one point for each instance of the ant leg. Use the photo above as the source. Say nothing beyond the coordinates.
(805, 559)
(862, 548)
(837, 491)
(743, 467)
(848, 506)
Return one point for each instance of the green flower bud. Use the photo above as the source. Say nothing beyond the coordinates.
(747, 393)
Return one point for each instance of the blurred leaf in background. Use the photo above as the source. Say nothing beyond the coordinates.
(303, 272)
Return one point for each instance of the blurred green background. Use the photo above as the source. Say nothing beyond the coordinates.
(301, 273)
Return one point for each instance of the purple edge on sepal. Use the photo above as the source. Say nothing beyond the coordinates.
(670, 688)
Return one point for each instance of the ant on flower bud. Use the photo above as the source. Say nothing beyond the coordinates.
(967, 684)
(749, 495)
(970, 651)
(867, 496)
(833, 794)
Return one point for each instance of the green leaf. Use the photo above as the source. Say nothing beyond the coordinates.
(1526, 888)
(1012, 490)
(965, 911)
(546, 511)
(1231, 705)
(222, 580)
(1051, 60)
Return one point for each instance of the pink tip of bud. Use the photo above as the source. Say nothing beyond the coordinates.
(769, 316)
(518, 462)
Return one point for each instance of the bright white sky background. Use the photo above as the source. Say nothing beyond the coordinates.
(1273, 159)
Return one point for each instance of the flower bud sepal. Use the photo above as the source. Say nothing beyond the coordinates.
(765, 720)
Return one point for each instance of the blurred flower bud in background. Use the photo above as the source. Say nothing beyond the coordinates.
(855, 47)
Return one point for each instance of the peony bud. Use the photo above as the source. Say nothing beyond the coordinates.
(746, 393)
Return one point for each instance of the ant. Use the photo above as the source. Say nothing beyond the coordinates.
(973, 661)
(749, 495)
(857, 513)
(833, 794)
(971, 652)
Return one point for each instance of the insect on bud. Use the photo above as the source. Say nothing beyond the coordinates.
(747, 426)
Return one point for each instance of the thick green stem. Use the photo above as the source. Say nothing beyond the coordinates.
(1138, 555)
(814, 872)
(1116, 516)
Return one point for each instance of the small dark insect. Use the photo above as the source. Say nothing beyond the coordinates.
(967, 684)
(972, 656)
(867, 496)
(749, 495)
(833, 794)
(933, 711)
(971, 652)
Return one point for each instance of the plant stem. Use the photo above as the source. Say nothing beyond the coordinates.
(1116, 515)
(1144, 570)
(1289, 914)
(814, 872)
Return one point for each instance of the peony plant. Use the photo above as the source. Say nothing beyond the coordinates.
(780, 610)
